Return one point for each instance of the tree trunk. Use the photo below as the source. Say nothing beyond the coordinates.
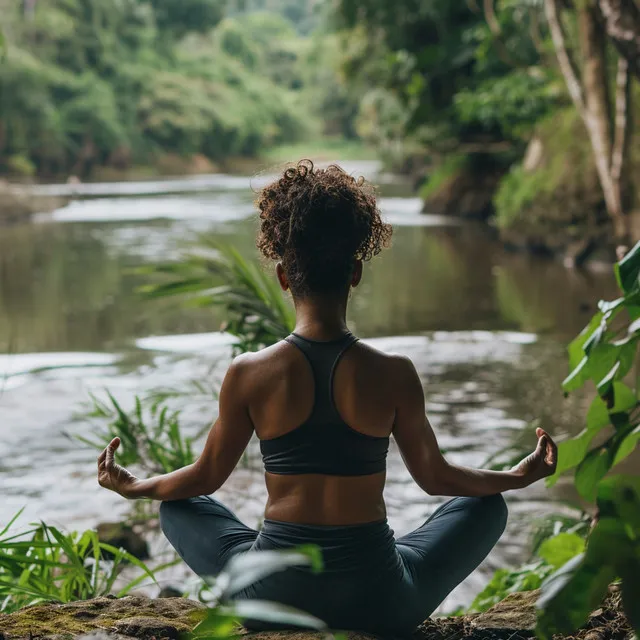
(590, 94)
(598, 107)
(623, 27)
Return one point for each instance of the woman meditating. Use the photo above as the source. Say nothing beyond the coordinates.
(324, 406)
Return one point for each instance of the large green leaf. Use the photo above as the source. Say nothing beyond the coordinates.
(627, 270)
(557, 551)
(571, 453)
(274, 612)
(619, 498)
(627, 446)
(599, 415)
(578, 376)
(576, 347)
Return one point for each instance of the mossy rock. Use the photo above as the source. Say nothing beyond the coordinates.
(553, 202)
(166, 619)
(464, 186)
(130, 617)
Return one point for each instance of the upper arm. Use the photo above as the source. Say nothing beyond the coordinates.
(413, 433)
(231, 432)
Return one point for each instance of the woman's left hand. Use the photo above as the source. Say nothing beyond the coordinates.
(114, 477)
(541, 463)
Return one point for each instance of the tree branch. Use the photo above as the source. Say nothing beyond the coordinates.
(496, 30)
(564, 60)
(536, 36)
(622, 18)
(490, 17)
(621, 136)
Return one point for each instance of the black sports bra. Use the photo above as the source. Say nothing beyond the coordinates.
(324, 443)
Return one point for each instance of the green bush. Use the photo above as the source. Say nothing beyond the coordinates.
(549, 556)
(87, 84)
(451, 166)
(562, 190)
(603, 355)
(256, 311)
(44, 564)
(150, 434)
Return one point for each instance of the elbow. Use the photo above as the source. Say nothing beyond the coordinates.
(438, 482)
(205, 480)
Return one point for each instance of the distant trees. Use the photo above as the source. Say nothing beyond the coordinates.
(475, 75)
(87, 83)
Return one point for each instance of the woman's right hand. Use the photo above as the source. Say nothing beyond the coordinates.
(541, 463)
(114, 477)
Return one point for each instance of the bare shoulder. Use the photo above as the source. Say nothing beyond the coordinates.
(249, 368)
(395, 361)
(395, 367)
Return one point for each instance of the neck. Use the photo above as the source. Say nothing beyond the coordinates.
(320, 317)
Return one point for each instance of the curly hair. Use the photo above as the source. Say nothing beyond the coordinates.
(318, 222)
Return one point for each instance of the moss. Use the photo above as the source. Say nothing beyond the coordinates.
(557, 205)
(144, 619)
(565, 185)
(19, 165)
(446, 171)
(144, 615)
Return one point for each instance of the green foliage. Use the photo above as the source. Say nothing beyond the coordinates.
(511, 103)
(455, 82)
(257, 313)
(20, 166)
(573, 592)
(564, 181)
(225, 613)
(150, 434)
(44, 564)
(549, 556)
(181, 16)
(446, 170)
(87, 84)
(604, 354)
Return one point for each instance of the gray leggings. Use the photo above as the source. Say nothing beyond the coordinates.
(370, 582)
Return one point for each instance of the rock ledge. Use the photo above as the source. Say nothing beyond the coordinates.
(142, 618)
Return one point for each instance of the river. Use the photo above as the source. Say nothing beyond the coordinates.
(486, 329)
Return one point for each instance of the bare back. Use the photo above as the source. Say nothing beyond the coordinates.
(280, 395)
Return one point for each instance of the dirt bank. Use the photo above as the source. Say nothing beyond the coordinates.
(16, 205)
(146, 619)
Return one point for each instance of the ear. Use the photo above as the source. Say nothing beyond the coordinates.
(357, 273)
(282, 277)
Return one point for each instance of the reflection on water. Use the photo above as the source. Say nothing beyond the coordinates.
(485, 328)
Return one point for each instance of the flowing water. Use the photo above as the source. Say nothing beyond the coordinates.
(486, 329)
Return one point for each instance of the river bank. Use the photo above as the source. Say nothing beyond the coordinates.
(139, 618)
(548, 201)
(18, 204)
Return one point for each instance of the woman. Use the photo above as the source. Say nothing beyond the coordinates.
(323, 406)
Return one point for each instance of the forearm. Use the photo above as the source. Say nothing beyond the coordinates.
(455, 480)
(184, 483)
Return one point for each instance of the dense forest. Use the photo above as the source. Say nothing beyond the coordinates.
(517, 111)
(86, 83)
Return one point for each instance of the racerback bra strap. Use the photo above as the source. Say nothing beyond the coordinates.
(323, 357)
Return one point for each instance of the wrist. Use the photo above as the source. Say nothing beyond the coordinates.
(520, 479)
(139, 489)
